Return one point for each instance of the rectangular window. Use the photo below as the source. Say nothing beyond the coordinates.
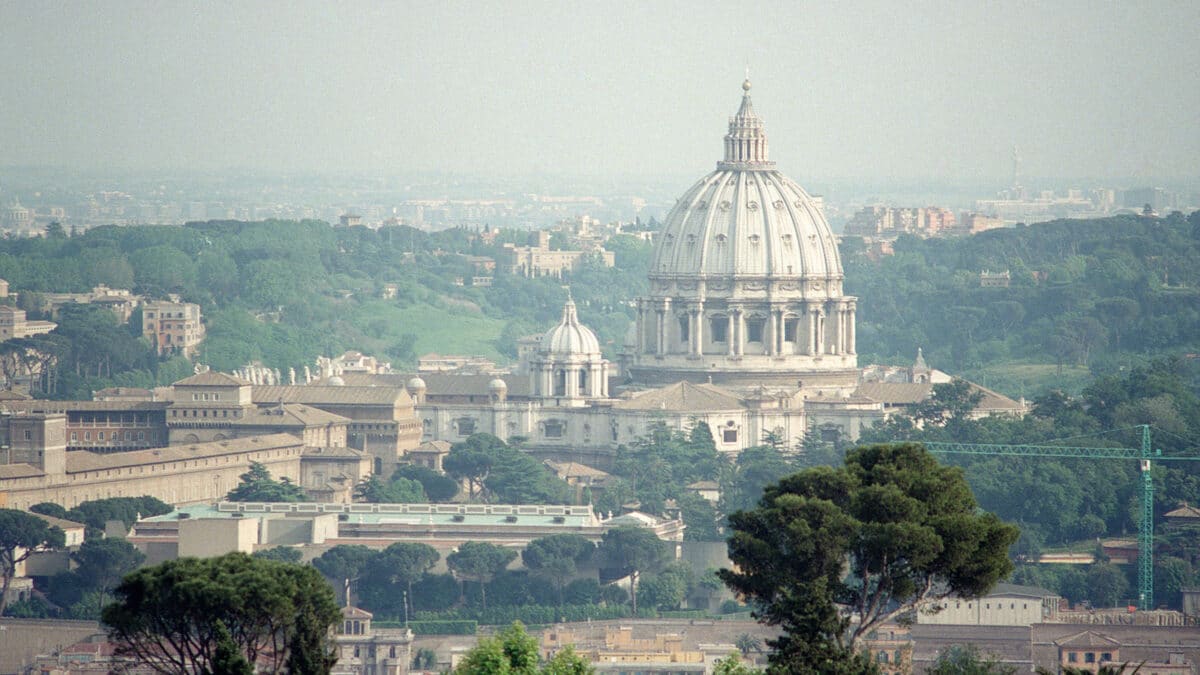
(1089, 657)
(74, 435)
(754, 330)
(554, 428)
(141, 435)
(789, 330)
(28, 434)
(1106, 656)
(87, 435)
(729, 436)
(718, 327)
(1072, 657)
(100, 436)
(128, 435)
(684, 325)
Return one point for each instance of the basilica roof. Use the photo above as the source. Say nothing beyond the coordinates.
(746, 218)
(683, 396)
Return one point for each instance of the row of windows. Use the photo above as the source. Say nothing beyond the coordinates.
(203, 413)
(206, 397)
(999, 605)
(1089, 657)
(719, 329)
(115, 436)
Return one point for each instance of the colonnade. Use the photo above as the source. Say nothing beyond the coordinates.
(667, 327)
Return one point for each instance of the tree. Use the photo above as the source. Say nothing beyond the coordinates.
(633, 550)
(101, 563)
(747, 643)
(479, 561)
(401, 563)
(20, 535)
(398, 491)
(470, 464)
(257, 486)
(278, 616)
(344, 564)
(907, 527)
(1107, 585)
(556, 558)
(966, 660)
(438, 487)
(283, 554)
(732, 665)
(515, 652)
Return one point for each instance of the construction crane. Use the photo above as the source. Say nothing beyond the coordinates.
(1143, 454)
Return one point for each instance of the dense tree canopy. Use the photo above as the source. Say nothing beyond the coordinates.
(172, 617)
(906, 526)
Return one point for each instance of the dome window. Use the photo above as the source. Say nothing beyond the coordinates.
(691, 240)
(702, 205)
(778, 204)
(753, 206)
(754, 239)
(721, 239)
(725, 205)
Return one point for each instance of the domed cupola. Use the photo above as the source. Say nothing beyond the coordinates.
(746, 279)
(570, 337)
(569, 367)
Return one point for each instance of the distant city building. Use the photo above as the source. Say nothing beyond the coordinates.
(120, 301)
(173, 327)
(891, 222)
(365, 650)
(538, 260)
(13, 324)
(995, 279)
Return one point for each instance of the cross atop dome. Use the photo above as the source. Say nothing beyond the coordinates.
(746, 142)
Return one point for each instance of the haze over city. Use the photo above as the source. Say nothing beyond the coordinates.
(871, 91)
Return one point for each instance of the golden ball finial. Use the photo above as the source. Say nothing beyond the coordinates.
(746, 84)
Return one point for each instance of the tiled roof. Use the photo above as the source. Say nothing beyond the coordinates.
(909, 393)
(82, 460)
(1087, 639)
(19, 471)
(288, 413)
(333, 453)
(683, 397)
(45, 406)
(211, 378)
(575, 470)
(1184, 511)
(60, 523)
(314, 394)
(440, 447)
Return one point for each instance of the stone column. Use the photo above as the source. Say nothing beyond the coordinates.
(660, 338)
(729, 332)
(813, 325)
(781, 337)
(741, 332)
(699, 329)
(836, 342)
(769, 338)
(852, 346)
(821, 345)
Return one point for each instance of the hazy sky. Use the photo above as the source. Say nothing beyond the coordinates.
(919, 90)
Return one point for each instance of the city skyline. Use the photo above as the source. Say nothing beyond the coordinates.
(933, 93)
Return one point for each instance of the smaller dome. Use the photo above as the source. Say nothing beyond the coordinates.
(416, 383)
(497, 384)
(569, 336)
(337, 381)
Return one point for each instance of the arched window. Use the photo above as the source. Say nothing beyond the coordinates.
(560, 382)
